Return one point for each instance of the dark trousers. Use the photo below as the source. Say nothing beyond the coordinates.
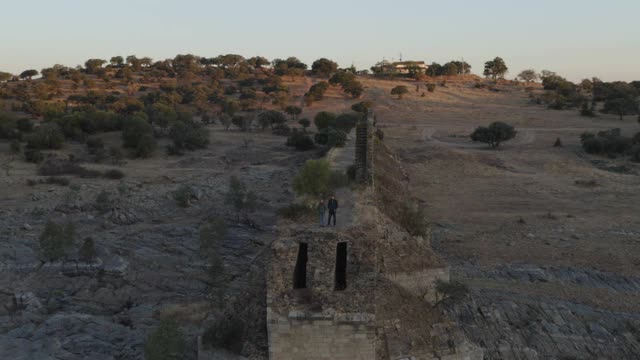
(332, 213)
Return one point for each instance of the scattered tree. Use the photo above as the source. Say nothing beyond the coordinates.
(399, 90)
(293, 111)
(496, 68)
(528, 75)
(494, 134)
(323, 67)
(28, 74)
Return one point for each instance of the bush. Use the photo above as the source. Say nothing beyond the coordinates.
(33, 156)
(593, 145)
(134, 129)
(305, 123)
(212, 233)
(586, 111)
(330, 137)
(362, 107)
(87, 252)
(241, 199)
(166, 342)
(281, 130)
(145, 147)
(313, 178)
(103, 201)
(113, 174)
(227, 334)
(49, 180)
(296, 212)
(300, 141)
(413, 219)
(324, 120)
(183, 196)
(337, 180)
(189, 136)
(432, 87)
(15, 146)
(399, 90)
(46, 136)
(56, 239)
(24, 125)
(495, 134)
(380, 134)
(54, 167)
(347, 121)
(94, 145)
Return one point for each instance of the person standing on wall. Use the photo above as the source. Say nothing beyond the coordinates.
(321, 210)
(333, 207)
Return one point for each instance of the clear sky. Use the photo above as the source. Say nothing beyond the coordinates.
(576, 38)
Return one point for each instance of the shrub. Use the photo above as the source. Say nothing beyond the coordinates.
(189, 136)
(15, 146)
(49, 180)
(330, 137)
(33, 155)
(313, 178)
(413, 219)
(54, 167)
(56, 239)
(337, 180)
(635, 153)
(183, 196)
(227, 334)
(362, 107)
(173, 150)
(305, 123)
(558, 143)
(113, 174)
(300, 141)
(87, 251)
(166, 342)
(281, 130)
(46, 136)
(241, 199)
(347, 121)
(432, 87)
(94, 145)
(593, 145)
(296, 212)
(636, 139)
(380, 134)
(495, 134)
(24, 125)
(586, 111)
(399, 90)
(134, 129)
(324, 120)
(145, 147)
(212, 233)
(103, 201)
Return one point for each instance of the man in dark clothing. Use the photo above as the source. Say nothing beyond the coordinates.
(332, 206)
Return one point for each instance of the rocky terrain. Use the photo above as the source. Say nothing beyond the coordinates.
(148, 263)
(545, 237)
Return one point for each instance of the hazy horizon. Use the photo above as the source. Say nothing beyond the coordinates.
(576, 39)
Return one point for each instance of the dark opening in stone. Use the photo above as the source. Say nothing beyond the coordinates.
(341, 266)
(300, 272)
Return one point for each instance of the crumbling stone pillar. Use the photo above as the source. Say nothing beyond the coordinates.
(364, 149)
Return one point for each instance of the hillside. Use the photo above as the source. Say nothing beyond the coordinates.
(544, 237)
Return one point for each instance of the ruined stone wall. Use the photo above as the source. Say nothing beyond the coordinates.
(364, 149)
(421, 283)
(340, 337)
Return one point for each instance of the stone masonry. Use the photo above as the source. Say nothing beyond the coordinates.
(364, 149)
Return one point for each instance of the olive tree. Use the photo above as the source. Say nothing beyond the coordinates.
(494, 134)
